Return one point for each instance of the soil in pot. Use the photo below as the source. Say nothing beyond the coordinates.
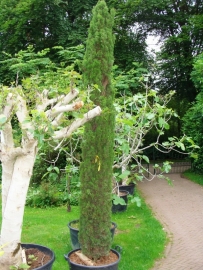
(109, 262)
(38, 257)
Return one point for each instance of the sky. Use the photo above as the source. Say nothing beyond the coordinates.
(153, 43)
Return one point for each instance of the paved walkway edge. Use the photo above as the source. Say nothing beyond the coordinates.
(169, 235)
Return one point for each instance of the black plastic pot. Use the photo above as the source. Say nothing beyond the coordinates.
(74, 266)
(74, 233)
(46, 250)
(120, 207)
(130, 188)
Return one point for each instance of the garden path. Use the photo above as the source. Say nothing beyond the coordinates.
(180, 210)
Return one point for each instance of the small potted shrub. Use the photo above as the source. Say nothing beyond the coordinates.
(126, 181)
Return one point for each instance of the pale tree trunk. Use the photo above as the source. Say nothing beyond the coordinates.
(7, 159)
(15, 194)
(124, 166)
(7, 172)
(123, 169)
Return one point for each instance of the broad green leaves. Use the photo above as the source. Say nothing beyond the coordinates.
(118, 200)
(197, 73)
(124, 174)
(136, 200)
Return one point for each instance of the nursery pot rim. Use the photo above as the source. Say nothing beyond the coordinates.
(126, 185)
(73, 221)
(77, 220)
(93, 267)
(123, 191)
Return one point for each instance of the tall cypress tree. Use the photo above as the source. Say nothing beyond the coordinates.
(97, 149)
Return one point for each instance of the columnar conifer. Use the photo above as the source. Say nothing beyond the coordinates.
(97, 149)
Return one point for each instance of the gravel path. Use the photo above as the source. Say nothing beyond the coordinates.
(180, 209)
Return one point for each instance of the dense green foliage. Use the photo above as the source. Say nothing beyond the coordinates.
(41, 24)
(98, 141)
(193, 119)
(45, 24)
(52, 193)
(198, 72)
(179, 25)
(193, 126)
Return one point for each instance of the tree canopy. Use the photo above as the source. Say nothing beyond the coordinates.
(45, 24)
(179, 26)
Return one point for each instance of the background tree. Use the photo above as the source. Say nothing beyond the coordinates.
(45, 24)
(193, 119)
(41, 24)
(97, 149)
(193, 127)
(130, 45)
(178, 24)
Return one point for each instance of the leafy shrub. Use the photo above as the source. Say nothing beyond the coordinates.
(44, 196)
(51, 195)
(197, 165)
(193, 127)
(45, 157)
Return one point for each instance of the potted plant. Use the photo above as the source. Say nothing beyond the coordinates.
(97, 150)
(126, 181)
(119, 197)
(32, 114)
(120, 201)
(37, 257)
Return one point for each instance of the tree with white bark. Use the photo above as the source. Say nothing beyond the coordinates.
(31, 115)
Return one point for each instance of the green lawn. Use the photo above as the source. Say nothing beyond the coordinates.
(139, 234)
(195, 177)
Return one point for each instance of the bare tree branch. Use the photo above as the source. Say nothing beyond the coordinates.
(67, 131)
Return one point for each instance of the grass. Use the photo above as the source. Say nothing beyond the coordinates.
(140, 236)
(194, 177)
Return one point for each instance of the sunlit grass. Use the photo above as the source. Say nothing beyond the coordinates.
(139, 234)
